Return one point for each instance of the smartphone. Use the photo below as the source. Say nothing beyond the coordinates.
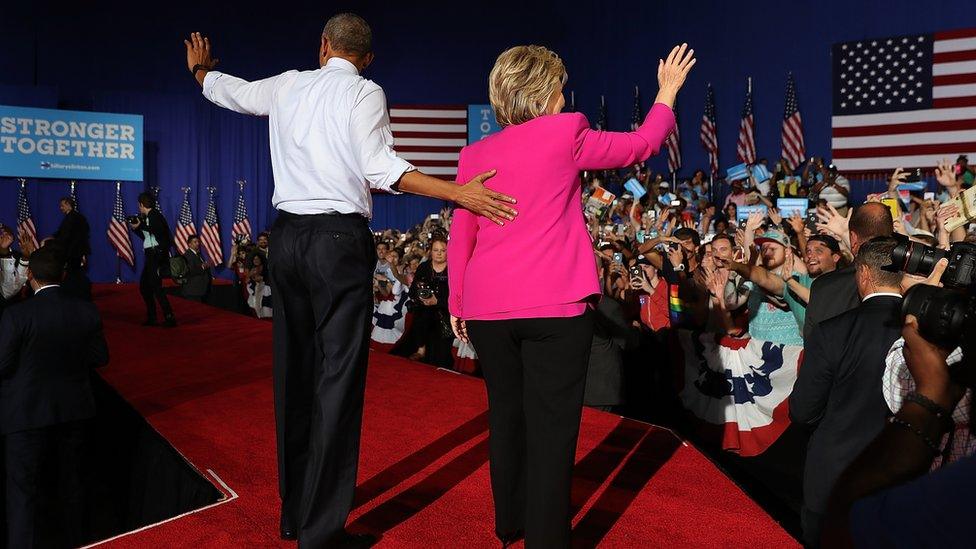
(640, 237)
(621, 229)
(929, 196)
(652, 213)
(435, 217)
(618, 257)
(893, 206)
(675, 203)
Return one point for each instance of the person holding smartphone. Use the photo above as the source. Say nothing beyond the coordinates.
(533, 337)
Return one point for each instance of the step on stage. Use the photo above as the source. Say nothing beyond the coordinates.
(205, 387)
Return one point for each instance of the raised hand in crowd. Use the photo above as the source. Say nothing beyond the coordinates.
(26, 245)
(831, 222)
(946, 176)
(897, 178)
(775, 217)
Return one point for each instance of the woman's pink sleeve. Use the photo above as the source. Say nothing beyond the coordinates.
(600, 150)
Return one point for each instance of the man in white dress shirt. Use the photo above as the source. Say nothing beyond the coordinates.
(331, 143)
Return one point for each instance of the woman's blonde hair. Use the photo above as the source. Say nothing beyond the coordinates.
(522, 81)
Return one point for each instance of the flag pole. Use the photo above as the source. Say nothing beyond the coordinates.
(118, 257)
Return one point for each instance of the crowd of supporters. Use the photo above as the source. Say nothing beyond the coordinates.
(685, 257)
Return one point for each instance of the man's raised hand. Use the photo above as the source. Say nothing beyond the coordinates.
(198, 53)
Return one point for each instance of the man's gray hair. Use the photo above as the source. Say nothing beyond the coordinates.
(349, 33)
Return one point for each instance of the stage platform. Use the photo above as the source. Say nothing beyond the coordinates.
(206, 387)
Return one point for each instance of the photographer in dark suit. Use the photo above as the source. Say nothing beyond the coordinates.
(838, 389)
(48, 344)
(198, 277)
(429, 338)
(74, 235)
(151, 227)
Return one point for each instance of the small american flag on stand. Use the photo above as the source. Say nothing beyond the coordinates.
(746, 147)
(635, 118)
(572, 102)
(118, 231)
(241, 226)
(709, 132)
(430, 137)
(904, 101)
(74, 197)
(673, 144)
(601, 121)
(793, 151)
(25, 224)
(210, 232)
(184, 224)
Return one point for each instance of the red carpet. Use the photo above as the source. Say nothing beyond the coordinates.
(206, 387)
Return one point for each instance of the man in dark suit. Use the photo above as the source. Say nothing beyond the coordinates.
(152, 228)
(48, 344)
(198, 277)
(74, 236)
(836, 292)
(838, 389)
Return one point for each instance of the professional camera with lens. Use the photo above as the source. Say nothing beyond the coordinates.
(424, 291)
(946, 316)
(132, 219)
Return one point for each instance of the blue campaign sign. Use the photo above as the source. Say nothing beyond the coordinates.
(742, 213)
(789, 206)
(481, 122)
(60, 144)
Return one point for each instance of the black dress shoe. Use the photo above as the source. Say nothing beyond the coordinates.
(149, 322)
(170, 322)
(345, 540)
(288, 532)
(510, 538)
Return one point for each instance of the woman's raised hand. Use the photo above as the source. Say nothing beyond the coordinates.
(671, 73)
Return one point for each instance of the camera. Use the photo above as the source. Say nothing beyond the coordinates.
(132, 219)
(946, 316)
(424, 291)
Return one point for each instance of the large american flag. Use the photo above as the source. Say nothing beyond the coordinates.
(184, 223)
(745, 148)
(25, 224)
(904, 101)
(708, 133)
(241, 226)
(210, 233)
(118, 231)
(793, 149)
(673, 144)
(430, 136)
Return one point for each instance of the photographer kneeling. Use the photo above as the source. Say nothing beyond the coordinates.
(430, 337)
(883, 499)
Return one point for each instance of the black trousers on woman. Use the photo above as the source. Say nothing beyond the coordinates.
(321, 271)
(535, 371)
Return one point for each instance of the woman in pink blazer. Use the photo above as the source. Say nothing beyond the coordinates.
(523, 290)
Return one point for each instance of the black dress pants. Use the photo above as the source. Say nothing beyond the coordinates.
(321, 269)
(151, 283)
(535, 372)
(44, 492)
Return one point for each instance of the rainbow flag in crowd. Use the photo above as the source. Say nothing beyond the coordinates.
(738, 388)
(676, 307)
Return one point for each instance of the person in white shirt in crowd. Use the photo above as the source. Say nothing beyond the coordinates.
(834, 188)
(331, 144)
(13, 265)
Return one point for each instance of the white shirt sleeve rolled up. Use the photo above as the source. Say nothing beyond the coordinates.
(239, 95)
(372, 141)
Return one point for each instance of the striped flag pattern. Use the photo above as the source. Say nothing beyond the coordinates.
(673, 144)
(210, 233)
(242, 225)
(708, 133)
(430, 137)
(184, 224)
(118, 231)
(25, 223)
(745, 148)
(904, 101)
(793, 150)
